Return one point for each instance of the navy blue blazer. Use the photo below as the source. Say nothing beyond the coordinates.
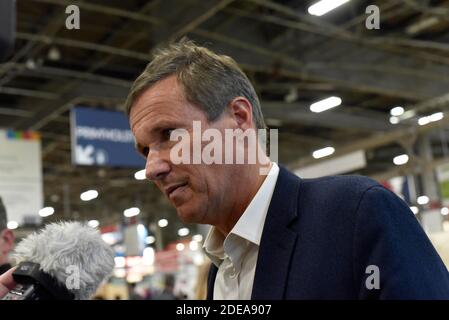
(321, 235)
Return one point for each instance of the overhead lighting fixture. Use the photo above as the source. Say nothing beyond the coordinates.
(141, 231)
(30, 64)
(150, 240)
(325, 104)
(193, 245)
(47, 211)
(414, 209)
(180, 246)
(444, 211)
(423, 121)
(162, 223)
(321, 153)
(436, 116)
(423, 200)
(11, 225)
(89, 195)
(397, 111)
(140, 175)
(54, 54)
(148, 256)
(324, 6)
(394, 120)
(183, 232)
(400, 160)
(131, 212)
(197, 238)
(432, 118)
(93, 223)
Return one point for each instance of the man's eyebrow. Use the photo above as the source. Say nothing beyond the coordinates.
(164, 124)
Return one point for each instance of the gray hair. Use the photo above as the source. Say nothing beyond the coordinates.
(210, 81)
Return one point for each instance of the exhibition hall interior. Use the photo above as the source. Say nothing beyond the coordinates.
(352, 87)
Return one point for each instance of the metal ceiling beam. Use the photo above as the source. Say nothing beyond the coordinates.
(107, 10)
(83, 45)
(200, 19)
(29, 93)
(299, 113)
(395, 85)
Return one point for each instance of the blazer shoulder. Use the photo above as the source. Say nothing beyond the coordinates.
(343, 183)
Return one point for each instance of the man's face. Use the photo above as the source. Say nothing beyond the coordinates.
(196, 190)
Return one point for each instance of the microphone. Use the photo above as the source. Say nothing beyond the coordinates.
(64, 261)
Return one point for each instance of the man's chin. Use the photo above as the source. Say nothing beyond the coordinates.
(188, 215)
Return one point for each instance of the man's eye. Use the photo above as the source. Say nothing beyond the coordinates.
(145, 151)
(167, 133)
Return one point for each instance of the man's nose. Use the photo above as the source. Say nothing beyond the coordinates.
(156, 167)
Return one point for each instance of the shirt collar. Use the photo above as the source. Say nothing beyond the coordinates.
(248, 228)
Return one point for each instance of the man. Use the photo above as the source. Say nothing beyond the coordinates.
(6, 240)
(273, 236)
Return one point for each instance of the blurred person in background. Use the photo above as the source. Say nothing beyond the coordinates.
(6, 240)
(167, 292)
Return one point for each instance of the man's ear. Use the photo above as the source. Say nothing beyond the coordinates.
(8, 240)
(242, 112)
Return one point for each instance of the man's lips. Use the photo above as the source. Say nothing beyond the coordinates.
(169, 190)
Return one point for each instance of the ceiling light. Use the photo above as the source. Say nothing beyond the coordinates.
(183, 232)
(423, 200)
(444, 211)
(150, 240)
(54, 54)
(162, 223)
(325, 104)
(89, 195)
(423, 121)
(324, 6)
(47, 211)
(93, 223)
(148, 256)
(320, 153)
(397, 111)
(394, 120)
(12, 225)
(436, 117)
(140, 175)
(193, 245)
(400, 160)
(180, 246)
(131, 212)
(432, 118)
(197, 238)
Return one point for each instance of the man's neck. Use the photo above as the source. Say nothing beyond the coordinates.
(253, 184)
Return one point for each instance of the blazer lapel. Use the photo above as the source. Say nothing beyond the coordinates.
(278, 241)
(211, 281)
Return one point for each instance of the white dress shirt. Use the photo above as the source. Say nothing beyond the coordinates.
(235, 255)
